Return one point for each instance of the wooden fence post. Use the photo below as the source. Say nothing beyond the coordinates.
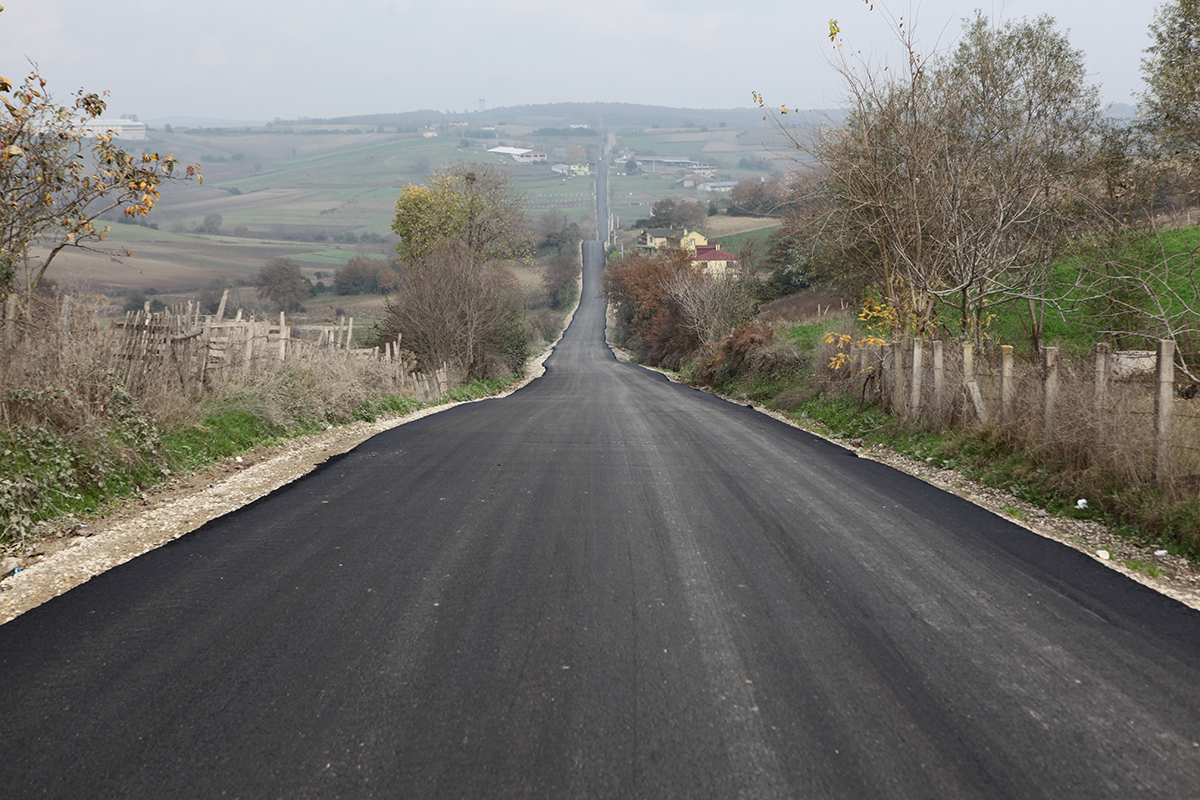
(283, 337)
(248, 350)
(228, 357)
(1164, 399)
(918, 355)
(1050, 389)
(64, 317)
(205, 351)
(221, 308)
(1006, 384)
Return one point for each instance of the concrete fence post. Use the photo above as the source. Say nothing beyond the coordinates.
(1006, 384)
(939, 378)
(918, 355)
(898, 382)
(970, 384)
(1164, 400)
(1049, 389)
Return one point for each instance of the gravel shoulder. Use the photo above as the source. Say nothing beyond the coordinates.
(1178, 578)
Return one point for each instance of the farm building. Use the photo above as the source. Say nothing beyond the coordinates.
(124, 128)
(520, 155)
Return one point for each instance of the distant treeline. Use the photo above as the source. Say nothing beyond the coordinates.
(609, 116)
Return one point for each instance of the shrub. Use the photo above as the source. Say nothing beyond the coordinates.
(451, 309)
(649, 321)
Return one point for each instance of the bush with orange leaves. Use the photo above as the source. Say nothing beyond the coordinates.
(649, 321)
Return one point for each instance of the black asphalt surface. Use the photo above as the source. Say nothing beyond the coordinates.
(605, 585)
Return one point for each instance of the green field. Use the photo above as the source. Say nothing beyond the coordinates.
(732, 243)
(1082, 319)
(313, 194)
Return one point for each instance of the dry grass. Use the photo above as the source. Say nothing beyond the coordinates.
(1092, 445)
(818, 304)
(75, 434)
(720, 225)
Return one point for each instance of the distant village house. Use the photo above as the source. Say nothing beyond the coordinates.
(711, 258)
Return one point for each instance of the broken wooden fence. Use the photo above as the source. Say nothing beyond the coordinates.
(204, 351)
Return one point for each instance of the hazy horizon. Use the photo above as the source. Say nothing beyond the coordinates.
(256, 62)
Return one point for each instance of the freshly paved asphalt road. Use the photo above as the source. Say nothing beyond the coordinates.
(604, 585)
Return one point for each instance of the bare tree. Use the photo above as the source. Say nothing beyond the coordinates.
(713, 305)
(955, 179)
(452, 310)
(279, 281)
(211, 224)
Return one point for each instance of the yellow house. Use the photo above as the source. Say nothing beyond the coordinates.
(654, 238)
(692, 239)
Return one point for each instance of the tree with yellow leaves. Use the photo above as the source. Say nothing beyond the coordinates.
(472, 206)
(58, 176)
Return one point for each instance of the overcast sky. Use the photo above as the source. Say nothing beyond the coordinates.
(261, 59)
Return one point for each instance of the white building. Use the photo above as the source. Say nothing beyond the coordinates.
(520, 155)
(124, 128)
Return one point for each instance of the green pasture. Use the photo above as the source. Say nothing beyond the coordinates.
(632, 196)
(1083, 319)
(120, 232)
(733, 242)
(646, 145)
